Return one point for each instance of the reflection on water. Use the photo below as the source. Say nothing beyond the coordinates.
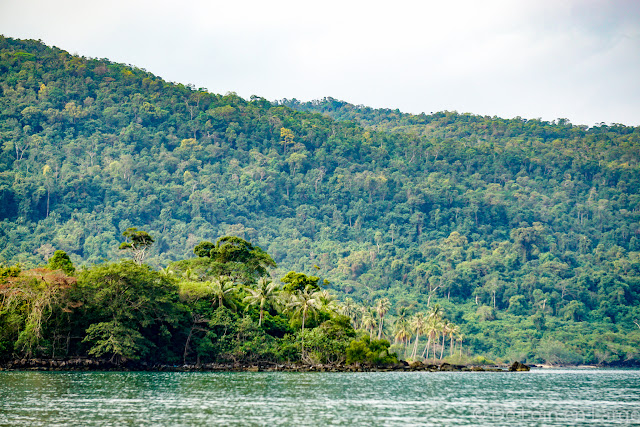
(553, 397)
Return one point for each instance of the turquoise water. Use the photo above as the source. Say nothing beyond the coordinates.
(545, 397)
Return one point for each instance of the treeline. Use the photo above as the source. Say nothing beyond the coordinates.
(525, 231)
(216, 308)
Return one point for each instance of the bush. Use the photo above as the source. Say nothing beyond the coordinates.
(365, 350)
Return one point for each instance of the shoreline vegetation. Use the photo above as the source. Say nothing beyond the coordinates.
(87, 364)
(216, 312)
(218, 309)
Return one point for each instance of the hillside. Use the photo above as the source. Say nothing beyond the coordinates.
(526, 232)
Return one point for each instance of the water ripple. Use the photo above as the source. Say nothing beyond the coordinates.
(554, 397)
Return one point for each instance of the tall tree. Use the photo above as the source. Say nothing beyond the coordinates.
(417, 323)
(262, 295)
(223, 290)
(304, 303)
(138, 242)
(382, 307)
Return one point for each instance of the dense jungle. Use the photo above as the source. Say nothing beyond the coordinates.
(142, 219)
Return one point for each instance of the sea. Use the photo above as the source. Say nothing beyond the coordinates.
(541, 397)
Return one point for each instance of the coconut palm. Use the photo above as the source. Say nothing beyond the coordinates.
(368, 322)
(460, 337)
(444, 330)
(364, 313)
(222, 289)
(431, 332)
(348, 308)
(304, 303)
(382, 307)
(417, 324)
(402, 332)
(437, 330)
(454, 330)
(327, 301)
(433, 318)
(401, 327)
(264, 293)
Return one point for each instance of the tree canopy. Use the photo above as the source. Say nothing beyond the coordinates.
(508, 223)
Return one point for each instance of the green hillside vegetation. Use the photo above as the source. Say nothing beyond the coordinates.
(522, 235)
(126, 312)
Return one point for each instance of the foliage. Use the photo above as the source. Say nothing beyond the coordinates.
(299, 282)
(131, 306)
(328, 342)
(366, 350)
(235, 257)
(523, 229)
(61, 261)
(137, 242)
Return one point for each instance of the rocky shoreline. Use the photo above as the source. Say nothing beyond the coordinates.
(87, 364)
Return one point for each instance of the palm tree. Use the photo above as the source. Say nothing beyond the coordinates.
(402, 332)
(445, 325)
(222, 288)
(400, 326)
(417, 323)
(327, 301)
(304, 303)
(437, 329)
(368, 322)
(265, 292)
(364, 312)
(454, 330)
(459, 339)
(348, 308)
(382, 307)
(431, 331)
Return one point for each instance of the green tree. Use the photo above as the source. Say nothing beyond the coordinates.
(138, 242)
(382, 307)
(61, 261)
(264, 294)
(366, 350)
(303, 304)
(223, 290)
(299, 282)
(132, 307)
(328, 342)
(418, 323)
(235, 257)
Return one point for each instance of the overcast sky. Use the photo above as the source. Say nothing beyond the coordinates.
(576, 59)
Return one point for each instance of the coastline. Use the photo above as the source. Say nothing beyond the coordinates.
(87, 364)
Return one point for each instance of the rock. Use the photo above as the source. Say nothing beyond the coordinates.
(519, 367)
(447, 367)
(416, 365)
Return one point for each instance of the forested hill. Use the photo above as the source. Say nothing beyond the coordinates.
(498, 220)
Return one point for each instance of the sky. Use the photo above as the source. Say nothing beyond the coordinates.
(574, 59)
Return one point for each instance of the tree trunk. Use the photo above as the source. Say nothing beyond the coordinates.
(304, 315)
(415, 347)
(426, 349)
(435, 342)
(186, 345)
